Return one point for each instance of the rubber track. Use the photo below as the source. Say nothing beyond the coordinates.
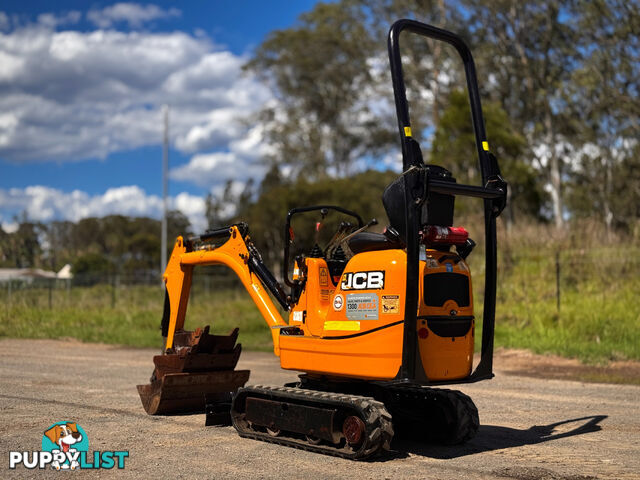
(461, 428)
(379, 429)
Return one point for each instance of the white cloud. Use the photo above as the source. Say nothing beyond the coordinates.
(211, 170)
(70, 95)
(52, 20)
(4, 22)
(74, 95)
(133, 14)
(193, 207)
(10, 227)
(204, 168)
(8, 124)
(43, 204)
(240, 163)
(218, 127)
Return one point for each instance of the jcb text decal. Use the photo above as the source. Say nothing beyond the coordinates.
(363, 280)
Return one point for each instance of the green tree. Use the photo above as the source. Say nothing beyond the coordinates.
(111, 244)
(92, 263)
(361, 193)
(454, 147)
(24, 245)
(142, 253)
(59, 240)
(219, 207)
(605, 93)
(335, 112)
(529, 48)
(565, 73)
(322, 74)
(177, 224)
(87, 237)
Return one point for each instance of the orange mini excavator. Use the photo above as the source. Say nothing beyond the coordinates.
(375, 321)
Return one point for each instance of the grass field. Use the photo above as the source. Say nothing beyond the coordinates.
(598, 318)
(130, 317)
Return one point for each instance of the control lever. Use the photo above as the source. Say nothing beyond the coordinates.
(336, 239)
(371, 223)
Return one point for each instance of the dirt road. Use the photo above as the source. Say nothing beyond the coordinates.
(531, 429)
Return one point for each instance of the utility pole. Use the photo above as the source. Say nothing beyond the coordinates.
(165, 188)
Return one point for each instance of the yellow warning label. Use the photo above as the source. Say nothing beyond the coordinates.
(324, 277)
(485, 146)
(345, 326)
(407, 131)
(390, 303)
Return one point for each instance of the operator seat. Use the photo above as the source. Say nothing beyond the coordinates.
(369, 241)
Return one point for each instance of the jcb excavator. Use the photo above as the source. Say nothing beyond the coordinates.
(375, 321)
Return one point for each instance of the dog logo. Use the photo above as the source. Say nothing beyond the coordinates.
(65, 446)
(68, 439)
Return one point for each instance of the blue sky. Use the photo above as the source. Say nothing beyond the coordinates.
(81, 89)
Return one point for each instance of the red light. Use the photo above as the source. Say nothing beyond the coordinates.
(436, 235)
(423, 333)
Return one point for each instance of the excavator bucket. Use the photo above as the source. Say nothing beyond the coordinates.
(199, 369)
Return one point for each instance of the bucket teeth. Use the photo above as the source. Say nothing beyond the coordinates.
(199, 365)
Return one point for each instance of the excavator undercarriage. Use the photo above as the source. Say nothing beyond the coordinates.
(348, 426)
(329, 417)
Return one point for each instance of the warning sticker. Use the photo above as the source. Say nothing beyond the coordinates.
(324, 293)
(338, 302)
(362, 306)
(390, 303)
(324, 277)
(337, 325)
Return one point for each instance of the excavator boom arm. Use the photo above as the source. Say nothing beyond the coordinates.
(235, 254)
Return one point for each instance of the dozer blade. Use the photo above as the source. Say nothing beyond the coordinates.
(179, 393)
(199, 366)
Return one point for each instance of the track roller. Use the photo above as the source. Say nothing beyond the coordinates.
(347, 426)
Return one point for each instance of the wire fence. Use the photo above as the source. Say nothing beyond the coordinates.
(545, 276)
(548, 275)
(106, 290)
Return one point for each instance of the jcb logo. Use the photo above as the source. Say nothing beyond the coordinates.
(363, 280)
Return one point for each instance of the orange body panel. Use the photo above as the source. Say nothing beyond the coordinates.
(352, 329)
(335, 341)
(445, 358)
(373, 356)
(312, 307)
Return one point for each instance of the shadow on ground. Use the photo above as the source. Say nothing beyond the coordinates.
(493, 437)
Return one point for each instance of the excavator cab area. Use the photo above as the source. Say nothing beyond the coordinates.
(332, 227)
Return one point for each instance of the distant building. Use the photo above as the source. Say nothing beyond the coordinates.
(31, 274)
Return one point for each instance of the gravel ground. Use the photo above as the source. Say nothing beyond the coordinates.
(531, 428)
